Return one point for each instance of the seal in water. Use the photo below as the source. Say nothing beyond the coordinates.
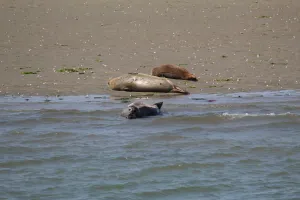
(173, 71)
(139, 109)
(139, 82)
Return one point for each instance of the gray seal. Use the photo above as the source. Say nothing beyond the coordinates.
(139, 82)
(139, 110)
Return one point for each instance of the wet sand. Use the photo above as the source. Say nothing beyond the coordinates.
(231, 45)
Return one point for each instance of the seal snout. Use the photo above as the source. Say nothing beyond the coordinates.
(129, 113)
(109, 82)
(131, 117)
(193, 79)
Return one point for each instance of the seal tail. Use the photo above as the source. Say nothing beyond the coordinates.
(159, 105)
(179, 90)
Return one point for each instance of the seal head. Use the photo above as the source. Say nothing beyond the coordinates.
(140, 110)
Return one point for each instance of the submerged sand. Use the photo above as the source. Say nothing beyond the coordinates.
(231, 45)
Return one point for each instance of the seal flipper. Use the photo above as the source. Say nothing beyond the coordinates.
(176, 88)
(126, 89)
(179, 90)
(159, 105)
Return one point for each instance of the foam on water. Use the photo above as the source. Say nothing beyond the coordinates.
(241, 115)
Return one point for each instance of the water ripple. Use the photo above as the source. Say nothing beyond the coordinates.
(181, 190)
(179, 167)
(242, 146)
(33, 162)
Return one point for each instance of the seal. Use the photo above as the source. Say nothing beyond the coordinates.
(173, 71)
(139, 110)
(139, 82)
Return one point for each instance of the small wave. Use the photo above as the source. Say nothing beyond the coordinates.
(166, 137)
(57, 134)
(278, 174)
(65, 112)
(72, 112)
(20, 163)
(242, 115)
(185, 118)
(136, 145)
(180, 166)
(109, 187)
(129, 158)
(14, 133)
(265, 149)
(249, 161)
(32, 121)
(236, 148)
(17, 150)
(5, 170)
(194, 129)
(291, 107)
(223, 155)
(179, 190)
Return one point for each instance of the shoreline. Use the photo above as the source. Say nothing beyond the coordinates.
(221, 85)
(141, 95)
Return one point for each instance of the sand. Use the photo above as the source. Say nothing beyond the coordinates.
(231, 45)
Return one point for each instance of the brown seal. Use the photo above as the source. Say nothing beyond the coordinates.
(173, 71)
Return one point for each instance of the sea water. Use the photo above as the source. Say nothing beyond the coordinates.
(203, 146)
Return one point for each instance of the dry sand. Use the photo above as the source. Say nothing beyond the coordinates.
(231, 45)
